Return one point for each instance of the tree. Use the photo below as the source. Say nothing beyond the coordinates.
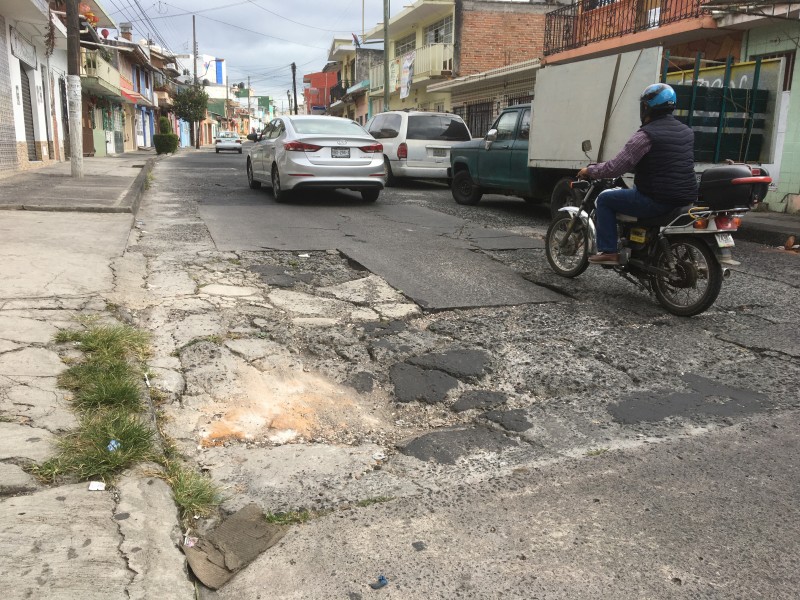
(190, 105)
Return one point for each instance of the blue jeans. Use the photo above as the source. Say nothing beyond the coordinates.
(628, 202)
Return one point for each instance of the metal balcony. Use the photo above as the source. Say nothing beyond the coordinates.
(589, 21)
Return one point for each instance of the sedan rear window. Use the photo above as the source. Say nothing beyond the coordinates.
(327, 126)
(437, 127)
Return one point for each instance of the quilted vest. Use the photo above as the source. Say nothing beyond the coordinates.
(666, 173)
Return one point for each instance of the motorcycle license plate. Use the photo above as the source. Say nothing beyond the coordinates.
(724, 240)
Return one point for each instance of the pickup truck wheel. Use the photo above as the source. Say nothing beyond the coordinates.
(563, 195)
(464, 189)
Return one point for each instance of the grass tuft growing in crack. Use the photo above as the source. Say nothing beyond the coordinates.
(105, 443)
(113, 433)
(194, 493)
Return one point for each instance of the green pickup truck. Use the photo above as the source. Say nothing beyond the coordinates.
(498, 164)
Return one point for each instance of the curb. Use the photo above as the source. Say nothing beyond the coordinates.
(763, 235)
(134, 196)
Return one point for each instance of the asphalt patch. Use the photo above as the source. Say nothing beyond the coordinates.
(458, 363)
(412, 383)
(478, 399)
(706, 398)
(512, 420)
(445, 446)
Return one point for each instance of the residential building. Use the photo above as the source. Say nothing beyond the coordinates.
(316, 89)
(702, 35)
(33, 114)
(457, 55)
(349, 95)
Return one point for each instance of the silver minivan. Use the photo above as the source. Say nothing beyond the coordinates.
(417, 143)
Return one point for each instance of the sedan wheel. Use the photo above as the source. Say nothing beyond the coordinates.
(370, 195)
(278, 192)
(254, 185)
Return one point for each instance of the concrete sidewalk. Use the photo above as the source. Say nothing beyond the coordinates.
(56, 265)
(110, 184)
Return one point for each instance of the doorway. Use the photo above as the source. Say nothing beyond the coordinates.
(27, 111)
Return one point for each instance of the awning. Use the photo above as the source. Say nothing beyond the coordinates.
(136, 98)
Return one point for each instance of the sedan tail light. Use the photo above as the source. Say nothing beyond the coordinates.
(301, 147)
(238, 141)
(372, 149)
(402, 151)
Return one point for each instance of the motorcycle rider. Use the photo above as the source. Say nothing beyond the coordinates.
(661, 156)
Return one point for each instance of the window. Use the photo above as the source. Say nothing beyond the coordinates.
(435, 127)
(385, 126)
(525, 127)
(505, 125)
(405, 45)
(326, 126)
(790, 57)
(440, 33)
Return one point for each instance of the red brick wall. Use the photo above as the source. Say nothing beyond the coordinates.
(495, 34)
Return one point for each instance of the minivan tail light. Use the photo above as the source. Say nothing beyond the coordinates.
(402, 151)
(372, 148)
(301, 147)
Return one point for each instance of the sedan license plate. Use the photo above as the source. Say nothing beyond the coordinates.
(440, 152)
(340, 152)
(724, 240)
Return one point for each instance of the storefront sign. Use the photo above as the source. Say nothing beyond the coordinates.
(23, 49)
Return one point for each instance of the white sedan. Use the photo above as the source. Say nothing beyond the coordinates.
(228, 140)
(315, 152)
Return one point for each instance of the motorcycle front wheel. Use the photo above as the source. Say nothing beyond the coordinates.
(695, 282)
(568, 255)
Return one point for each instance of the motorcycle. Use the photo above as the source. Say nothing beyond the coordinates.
(678, 257)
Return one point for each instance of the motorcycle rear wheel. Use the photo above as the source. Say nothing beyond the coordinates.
(698, 278)
(572, 259)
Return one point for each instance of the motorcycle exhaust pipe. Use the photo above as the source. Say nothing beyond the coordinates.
(726, 273)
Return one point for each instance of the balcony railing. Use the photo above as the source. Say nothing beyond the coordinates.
(340, 89)
(589, 21)
(105, 77)
(429, 62)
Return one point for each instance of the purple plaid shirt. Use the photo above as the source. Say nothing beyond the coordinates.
(625, 161)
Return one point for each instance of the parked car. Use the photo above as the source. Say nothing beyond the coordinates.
(315, 152)
(228, 140)
(417, 143)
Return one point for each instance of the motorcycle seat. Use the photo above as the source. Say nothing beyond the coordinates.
(658, 221)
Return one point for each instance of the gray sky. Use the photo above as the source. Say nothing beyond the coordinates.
(260, 38)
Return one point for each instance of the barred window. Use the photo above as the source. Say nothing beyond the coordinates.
(404, 45)
(440, 32)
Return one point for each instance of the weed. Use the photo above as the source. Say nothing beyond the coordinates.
(194, 493)
(597, 452)
(86, 452)
(108, 342)
(149, 181)
(293, 517)
(376, 500)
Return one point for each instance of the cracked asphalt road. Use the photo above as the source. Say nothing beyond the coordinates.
(283, 334)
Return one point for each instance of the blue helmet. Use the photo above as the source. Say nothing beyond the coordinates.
(656, 100)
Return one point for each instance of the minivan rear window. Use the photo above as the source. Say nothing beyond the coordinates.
(437, 127)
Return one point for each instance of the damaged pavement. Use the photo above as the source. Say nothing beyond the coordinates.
(477, 435)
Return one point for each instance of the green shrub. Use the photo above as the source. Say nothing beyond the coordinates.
(164, 125)
(165, 143)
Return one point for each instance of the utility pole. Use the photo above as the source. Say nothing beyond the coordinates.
(294, 85)
(196, 125)
(249, 111)
(74, 89)
(385, 55)
(289, 99)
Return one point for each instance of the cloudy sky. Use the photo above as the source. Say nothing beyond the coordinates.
(259, 38)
